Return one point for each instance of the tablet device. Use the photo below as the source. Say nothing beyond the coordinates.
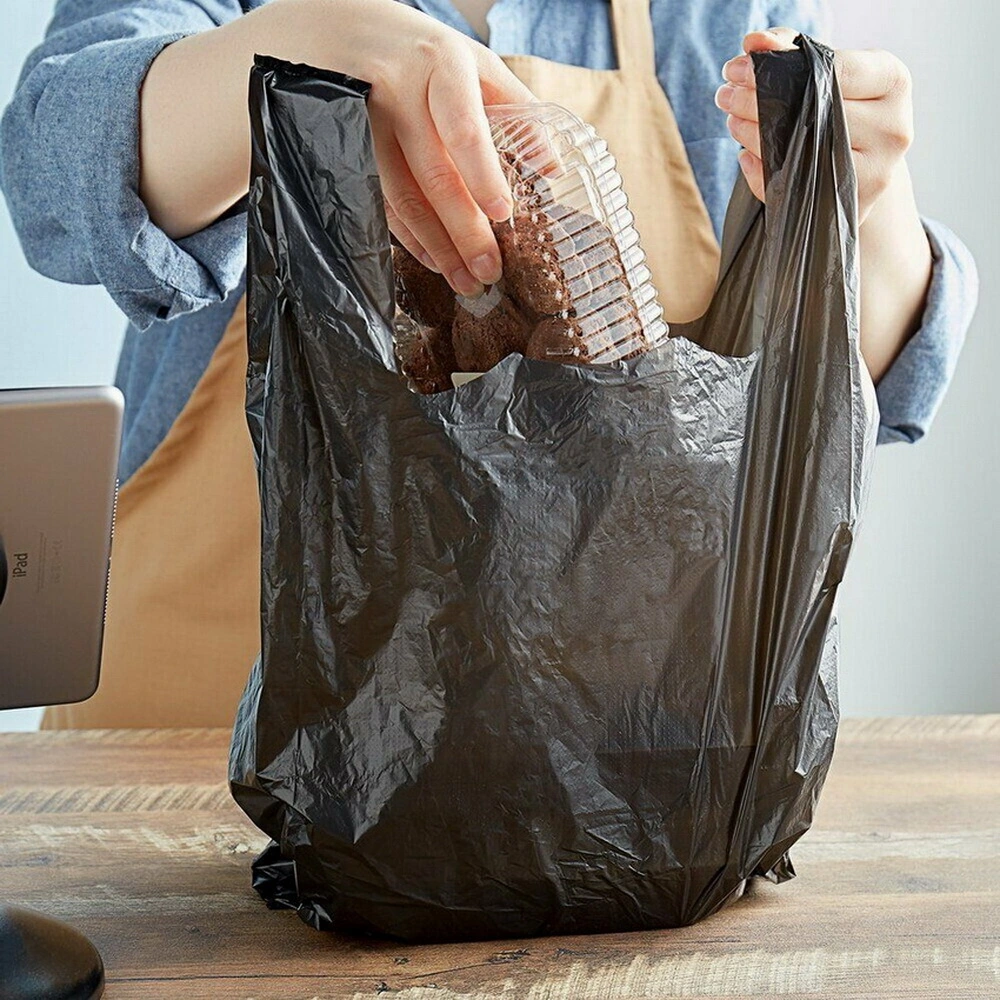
(58, 484)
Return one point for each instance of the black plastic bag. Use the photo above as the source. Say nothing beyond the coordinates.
(553, 652)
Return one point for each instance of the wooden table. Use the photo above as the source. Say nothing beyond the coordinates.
(131, 835)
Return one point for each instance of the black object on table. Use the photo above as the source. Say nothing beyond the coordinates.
(45, 958)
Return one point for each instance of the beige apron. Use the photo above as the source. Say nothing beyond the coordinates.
(183, 615)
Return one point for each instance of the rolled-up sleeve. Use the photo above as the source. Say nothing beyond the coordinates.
(69, 161)
(911, 391)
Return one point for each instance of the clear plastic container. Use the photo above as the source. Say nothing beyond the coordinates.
(575, 286)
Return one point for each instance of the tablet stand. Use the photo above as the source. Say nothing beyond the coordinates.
(45, 959)
(42, 958)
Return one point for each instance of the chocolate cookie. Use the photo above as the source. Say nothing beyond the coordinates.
(531, 248)
(482, 341)
(553, 260)
(529, 189)
(427, 359)
(614, 335)
(560, 339)
(595, 253)
(423, 295)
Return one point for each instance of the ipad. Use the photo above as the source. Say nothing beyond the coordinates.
(58, 484)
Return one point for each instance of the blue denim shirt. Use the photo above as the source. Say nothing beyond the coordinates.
(69, 170)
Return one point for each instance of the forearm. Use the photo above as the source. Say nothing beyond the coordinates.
(194, 127)
(896, 266)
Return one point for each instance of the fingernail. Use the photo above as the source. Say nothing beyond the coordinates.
(499, 210)
(486, 267)
(737, 70)
(464, 283)
(724, 97)
(425, 258)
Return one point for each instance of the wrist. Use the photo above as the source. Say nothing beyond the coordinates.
(896, 267)
(893, 228)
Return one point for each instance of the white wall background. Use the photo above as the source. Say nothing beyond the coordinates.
(920, 609)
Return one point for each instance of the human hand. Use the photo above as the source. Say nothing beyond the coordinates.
(878, 106)
(440, 174)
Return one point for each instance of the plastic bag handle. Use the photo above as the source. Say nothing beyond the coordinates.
(782, 79)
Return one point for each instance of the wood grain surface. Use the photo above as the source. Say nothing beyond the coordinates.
(132, 836)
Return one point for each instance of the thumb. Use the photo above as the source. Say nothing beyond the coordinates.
(772, 40)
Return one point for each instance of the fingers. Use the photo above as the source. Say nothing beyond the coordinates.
(738, 101)
(461, 172)
(406, 238)
(390, 159)
(412, 218)
(441, 177)
(876, 88)
(453, 98)
(499, 87)
(739, 71)
(878, 105)
(443, 206)
(863, 74)
(738, 98)
(746, 133)
(753, 170)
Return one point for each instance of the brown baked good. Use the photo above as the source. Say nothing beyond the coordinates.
(530, 248)
(558, 338)
(529, 190)
(422, 294)
(595, 253)
(610, 336)
(482, 341)
(554, 260)
(427, 359)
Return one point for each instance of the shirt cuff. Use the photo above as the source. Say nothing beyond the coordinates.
(911, 391)
(150, 276)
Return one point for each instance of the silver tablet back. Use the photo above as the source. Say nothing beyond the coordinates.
(58, 477)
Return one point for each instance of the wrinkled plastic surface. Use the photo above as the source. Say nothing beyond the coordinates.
(552, 652)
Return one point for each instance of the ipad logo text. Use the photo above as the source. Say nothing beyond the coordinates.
(20, 565)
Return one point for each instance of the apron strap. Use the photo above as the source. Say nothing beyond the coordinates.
(633, 29)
